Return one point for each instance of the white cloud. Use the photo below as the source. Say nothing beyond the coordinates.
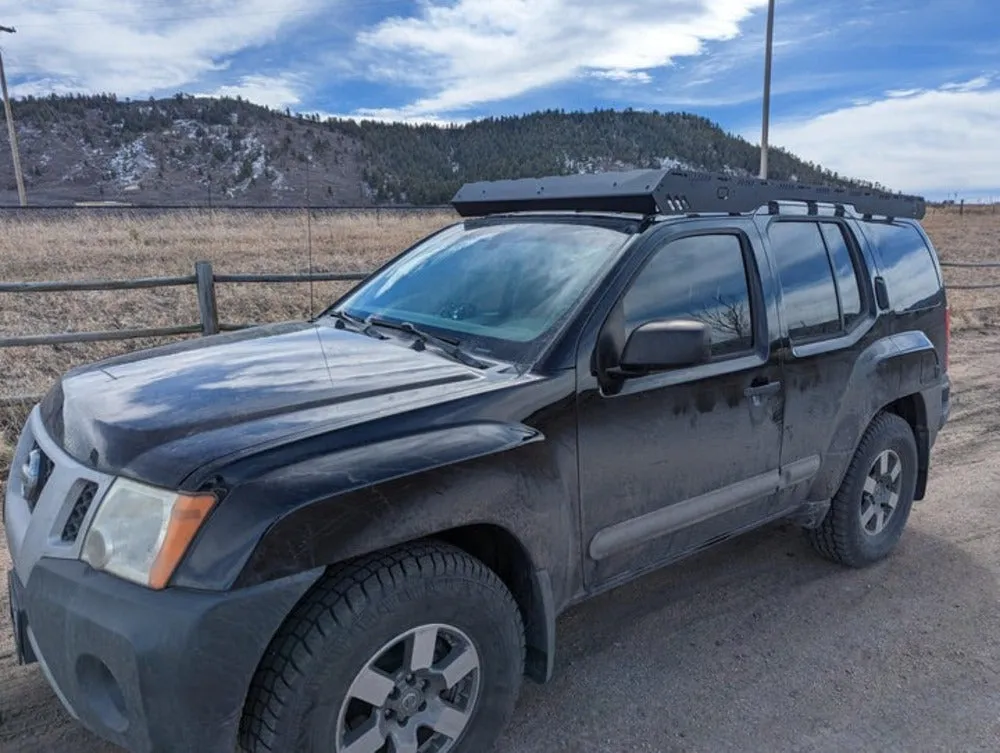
(278, 92)
(389, 115)
(624, 77)
(42, 87)
(134, 48)
(470, 52)
(979, 82)
(926, 141)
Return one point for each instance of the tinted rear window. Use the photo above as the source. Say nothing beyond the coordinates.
(908, 266)
(807, 282)
(845, 272)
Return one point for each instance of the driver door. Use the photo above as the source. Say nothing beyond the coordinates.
(678, 459)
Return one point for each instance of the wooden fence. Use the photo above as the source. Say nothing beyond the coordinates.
(204, 279)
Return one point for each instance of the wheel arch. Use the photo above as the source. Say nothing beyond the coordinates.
(506, 555)
(912, 408)
(509, 558)
(889, 375)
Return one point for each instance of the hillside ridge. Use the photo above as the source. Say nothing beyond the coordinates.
(202, 151)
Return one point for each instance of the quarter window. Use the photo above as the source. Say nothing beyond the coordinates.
(701, 277)
(909, 270)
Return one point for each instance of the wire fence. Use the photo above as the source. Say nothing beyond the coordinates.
(972, 265)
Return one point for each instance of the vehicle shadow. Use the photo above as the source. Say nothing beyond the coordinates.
(759, 645)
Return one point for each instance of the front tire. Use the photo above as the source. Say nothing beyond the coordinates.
(417, 648)
(867, 516)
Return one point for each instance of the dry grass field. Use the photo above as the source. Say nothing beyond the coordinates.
(87, 245)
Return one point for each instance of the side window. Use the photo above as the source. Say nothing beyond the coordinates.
(811, 303)
(909, 271)
(844, 271)
(701, 277)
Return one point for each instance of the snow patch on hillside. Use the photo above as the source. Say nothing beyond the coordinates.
(594, 165)
(131, 163)
(671, 163)
(280, 183)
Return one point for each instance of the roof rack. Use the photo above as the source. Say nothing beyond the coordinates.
(668, 191)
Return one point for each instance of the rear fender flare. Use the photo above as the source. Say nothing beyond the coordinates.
(890, 368)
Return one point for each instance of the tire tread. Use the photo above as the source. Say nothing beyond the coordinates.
(339, 597)
(831, 539)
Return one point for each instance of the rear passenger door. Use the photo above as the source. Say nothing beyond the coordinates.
(828, 313)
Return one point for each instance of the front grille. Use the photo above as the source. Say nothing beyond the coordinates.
(83, 502)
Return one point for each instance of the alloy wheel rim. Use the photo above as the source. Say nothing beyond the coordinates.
(881, 491)
(417, 694)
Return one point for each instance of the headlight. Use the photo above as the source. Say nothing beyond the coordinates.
(140, 533)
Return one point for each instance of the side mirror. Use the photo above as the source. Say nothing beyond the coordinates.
(666, 344)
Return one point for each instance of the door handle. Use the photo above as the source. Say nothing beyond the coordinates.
(763, 390)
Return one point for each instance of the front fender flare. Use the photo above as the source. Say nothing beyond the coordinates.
(327, 508)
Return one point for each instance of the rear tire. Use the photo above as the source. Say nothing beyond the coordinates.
(419, 643)
(867, 516)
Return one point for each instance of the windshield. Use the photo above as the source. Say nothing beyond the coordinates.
(499, 288)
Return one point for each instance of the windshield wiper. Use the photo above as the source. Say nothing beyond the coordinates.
(451, 347)
(362, 326)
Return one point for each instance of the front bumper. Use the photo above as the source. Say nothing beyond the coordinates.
(151, 671)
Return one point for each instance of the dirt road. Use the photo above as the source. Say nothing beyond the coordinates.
(758, 645)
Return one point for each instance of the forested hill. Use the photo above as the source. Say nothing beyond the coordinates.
(429, 163)
(188, 150)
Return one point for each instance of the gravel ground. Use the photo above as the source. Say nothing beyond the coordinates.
(756, 645)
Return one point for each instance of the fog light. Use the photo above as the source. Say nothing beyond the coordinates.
(97, 550)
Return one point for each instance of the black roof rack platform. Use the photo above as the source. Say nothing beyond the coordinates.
(665, 191)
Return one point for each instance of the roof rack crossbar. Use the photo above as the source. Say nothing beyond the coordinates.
(669, 192)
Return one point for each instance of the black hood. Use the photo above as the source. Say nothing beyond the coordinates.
(158, 414)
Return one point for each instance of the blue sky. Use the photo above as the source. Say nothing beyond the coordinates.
(903, 93)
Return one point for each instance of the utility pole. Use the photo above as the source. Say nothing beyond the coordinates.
(15, 154)
(10, 127)
(309, 232)
(767, 89)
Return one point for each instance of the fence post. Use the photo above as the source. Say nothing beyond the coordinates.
(206, 298)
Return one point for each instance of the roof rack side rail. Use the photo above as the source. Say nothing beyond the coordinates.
(670, 192)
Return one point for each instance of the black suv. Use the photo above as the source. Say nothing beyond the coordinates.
(354, 534)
